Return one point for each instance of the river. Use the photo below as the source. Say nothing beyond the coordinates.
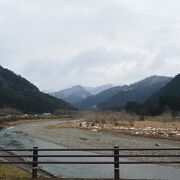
(14, 137)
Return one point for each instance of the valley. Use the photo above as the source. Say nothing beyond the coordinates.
(144, 114)
(89, 89)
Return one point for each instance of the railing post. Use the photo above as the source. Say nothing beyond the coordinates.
(116, 163)
(35, 163)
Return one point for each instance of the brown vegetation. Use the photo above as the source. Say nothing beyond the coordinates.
(109, 117)
(124, 123)
(125, 119)
(9, 111)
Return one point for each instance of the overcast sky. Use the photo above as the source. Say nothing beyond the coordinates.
(59, 43)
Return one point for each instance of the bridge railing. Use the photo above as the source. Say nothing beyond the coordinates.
(115, 157)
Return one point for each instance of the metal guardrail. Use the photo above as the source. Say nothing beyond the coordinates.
(116, 155)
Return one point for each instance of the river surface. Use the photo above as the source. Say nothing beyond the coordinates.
(14, 137)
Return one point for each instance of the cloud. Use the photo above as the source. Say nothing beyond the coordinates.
(59, 43)
(90, 67)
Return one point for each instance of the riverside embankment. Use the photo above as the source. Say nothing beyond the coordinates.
(38, 134)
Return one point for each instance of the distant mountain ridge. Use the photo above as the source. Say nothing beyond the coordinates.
(116, 97)
(109, 97)
(167, 99)
(152, 95)
(137, 92)
(78, 93)
(93, 101)
(72, 95)
(150, 81)
(17, 92)
(99, 89)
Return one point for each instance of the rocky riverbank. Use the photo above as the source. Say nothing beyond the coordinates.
(81, 138)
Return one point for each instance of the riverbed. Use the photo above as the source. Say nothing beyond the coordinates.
(38, 134)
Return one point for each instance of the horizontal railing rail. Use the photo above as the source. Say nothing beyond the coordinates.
(111, 149)
(81, 156)
(92, 162)
(116, 157)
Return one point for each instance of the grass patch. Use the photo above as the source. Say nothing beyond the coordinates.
(13, 172)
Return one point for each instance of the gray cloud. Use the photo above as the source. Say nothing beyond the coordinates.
(59, 43)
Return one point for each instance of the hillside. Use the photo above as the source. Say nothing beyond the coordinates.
(150, 81)
(16, 92)
(166, 100)
(171, 89)
(98, 89)
(169, 96)
(72, 95)
(77, 94)
(93, 101)
(137, 92)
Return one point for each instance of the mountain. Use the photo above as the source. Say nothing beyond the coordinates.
(150, 81)
(171, 89)
(169, 96)
(47, 91)
(72, 95)
(93, 101)
(137, 92)
(99, 89)
(167, 99)
(76, 94)
(18, 93)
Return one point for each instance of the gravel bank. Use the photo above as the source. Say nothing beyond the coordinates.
(79, 138)
(83, 139)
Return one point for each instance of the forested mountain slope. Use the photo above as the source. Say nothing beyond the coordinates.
(16, 92)
(167, 99)
(93, 101)
(137, 92)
